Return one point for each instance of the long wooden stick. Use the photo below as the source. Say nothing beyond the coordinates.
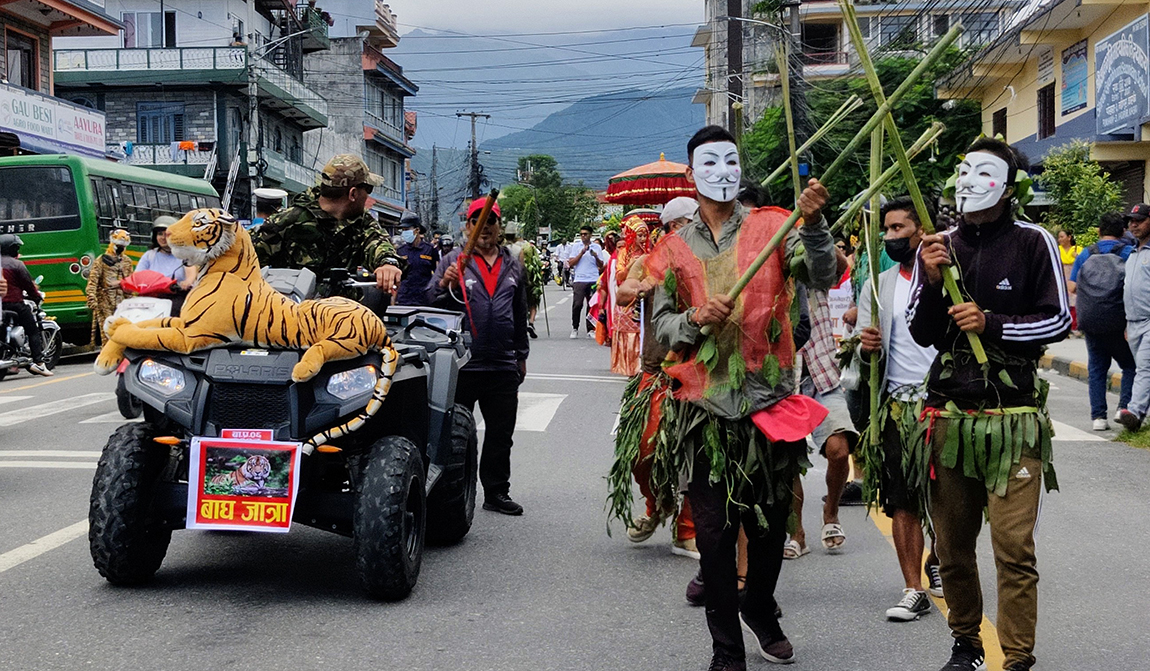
(844, 111)
(873, 224)
(950, 273)
(477, 230)
(847, 153)
(785, 78)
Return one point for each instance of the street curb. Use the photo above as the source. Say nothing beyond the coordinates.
(1077, 370)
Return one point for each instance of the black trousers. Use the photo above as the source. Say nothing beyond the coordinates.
(717, 532)
(497, 393)
(583, 293)
(25, 318)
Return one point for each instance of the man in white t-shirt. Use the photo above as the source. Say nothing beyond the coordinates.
(905, 368)
(585, 259)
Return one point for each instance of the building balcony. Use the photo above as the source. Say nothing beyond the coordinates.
(192, 65)
(286, 173)
(149, 155)
(313, 21)
(377, 129)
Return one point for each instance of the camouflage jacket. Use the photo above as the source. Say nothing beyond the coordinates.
(304, 236)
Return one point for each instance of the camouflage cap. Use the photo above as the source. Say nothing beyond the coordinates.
(347, 170)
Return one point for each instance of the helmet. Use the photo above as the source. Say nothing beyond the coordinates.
(10, 244)
(446, 239)
(162, 223)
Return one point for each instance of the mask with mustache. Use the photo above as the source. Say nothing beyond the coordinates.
(982, 181)
(717, 170)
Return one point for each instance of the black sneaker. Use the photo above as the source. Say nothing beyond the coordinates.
(965, 657)
(502, 503)
(935, 578)
(724, 662)
(914, 604)
(531, 331)
(696, 594)
(852, 494)
(771, 641)
(1129, 420)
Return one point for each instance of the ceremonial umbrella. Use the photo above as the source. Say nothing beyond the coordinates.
(651, 184)
(648, 215)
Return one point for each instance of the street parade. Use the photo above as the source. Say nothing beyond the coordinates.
(364, 335)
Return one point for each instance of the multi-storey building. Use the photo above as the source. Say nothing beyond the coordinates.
(366, 90)
(827, 52)
(32, 120)
(214, 90)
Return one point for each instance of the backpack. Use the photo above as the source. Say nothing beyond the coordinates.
(1101, 280)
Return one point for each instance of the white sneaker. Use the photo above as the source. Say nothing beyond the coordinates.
(1101, 424)
(1118, 412)
(574, 333)
(591, 335)
(40, 369)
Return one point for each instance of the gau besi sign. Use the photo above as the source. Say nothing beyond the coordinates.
(1122, 77)
(50, 123)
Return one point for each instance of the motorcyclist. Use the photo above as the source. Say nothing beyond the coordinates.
(446, 244)
(19, 285)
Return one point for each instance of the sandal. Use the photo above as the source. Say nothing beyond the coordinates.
(792, 549)
(830, 533)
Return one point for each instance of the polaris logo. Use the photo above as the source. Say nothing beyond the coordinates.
(225, 370)
(1004, 285)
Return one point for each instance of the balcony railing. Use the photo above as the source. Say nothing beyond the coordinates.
(295, 90)
(298, 173)
(825, 58)
(389, 129)
(160, 154)
(130, 60)
(312, 20)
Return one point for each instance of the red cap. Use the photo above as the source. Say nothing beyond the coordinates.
(477, 206)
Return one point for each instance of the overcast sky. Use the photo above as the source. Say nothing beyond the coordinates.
(474, 17)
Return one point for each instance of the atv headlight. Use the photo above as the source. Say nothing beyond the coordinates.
(351, 383)
(164, 379)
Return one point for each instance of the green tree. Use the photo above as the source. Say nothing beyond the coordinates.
(1080, 190)
(517, 203)
(540, 171)
(765, 143)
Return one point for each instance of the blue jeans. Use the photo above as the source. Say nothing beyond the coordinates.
(1100, 349)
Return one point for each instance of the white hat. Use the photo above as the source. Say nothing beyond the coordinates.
(265, 193)
(678, 208)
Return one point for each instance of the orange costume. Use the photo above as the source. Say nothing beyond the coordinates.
(625, 333)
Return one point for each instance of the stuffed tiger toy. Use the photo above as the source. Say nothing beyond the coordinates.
(231, 303)
(251, 475)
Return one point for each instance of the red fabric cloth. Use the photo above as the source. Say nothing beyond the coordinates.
(148, 283)
(490, 275)
(791, 419)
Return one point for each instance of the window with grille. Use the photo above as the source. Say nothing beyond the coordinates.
(980, 28)
(21, 52)
(159, 123)
(149, 30)
(898, 31)
(941, 24)
(998, 123)
(1046, 111)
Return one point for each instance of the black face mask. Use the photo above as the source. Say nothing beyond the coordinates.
(898, 249)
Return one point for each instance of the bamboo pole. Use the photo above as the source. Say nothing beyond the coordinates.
(785, 78)
(844, 111)
(873, 224)
(950, 273)
(863, 133)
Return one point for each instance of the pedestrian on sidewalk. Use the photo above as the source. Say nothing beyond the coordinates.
(1068, 251)
(1099, 277)
(493, 293)
(586, 262)
(734, 381)
(896, 475)
(987, 425)
(1136, 298)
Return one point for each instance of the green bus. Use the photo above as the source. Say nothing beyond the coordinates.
(65, 207)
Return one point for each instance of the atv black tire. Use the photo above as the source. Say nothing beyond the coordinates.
(390, 519)
(130, 406)
(127, 547)
(451, 503)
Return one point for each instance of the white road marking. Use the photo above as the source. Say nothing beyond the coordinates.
(86, 454)
(561, 301)
(113, 417)
(48, 464)
(14, 558)
(13, 417)
(1065, 432)
(576, 378)
(11, 399)
(535, 411)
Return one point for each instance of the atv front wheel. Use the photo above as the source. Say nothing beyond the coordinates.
(390, 519)
(130, 406)
(451, 503)
(126, 543)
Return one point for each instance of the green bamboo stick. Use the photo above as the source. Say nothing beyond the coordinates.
(785, 78)
(950, 273)
(852, 103)
(873, 224)
(928, 137)
(864, 132)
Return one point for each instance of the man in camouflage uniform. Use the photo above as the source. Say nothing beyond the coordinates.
(328, 227)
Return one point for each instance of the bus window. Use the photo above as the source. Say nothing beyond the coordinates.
(164, 205)
(37, 199)
(153, 200)
(185, 203)
(212, 201)
(196, 203)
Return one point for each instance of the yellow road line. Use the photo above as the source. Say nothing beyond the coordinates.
(994, 656)
(52, 381)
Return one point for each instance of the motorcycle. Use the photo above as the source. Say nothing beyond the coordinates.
(149, 303)
(15, 351)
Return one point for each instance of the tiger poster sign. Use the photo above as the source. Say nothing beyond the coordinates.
(241, 484)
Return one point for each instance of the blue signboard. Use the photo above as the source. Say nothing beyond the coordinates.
(1074, 76)
(1122, 77)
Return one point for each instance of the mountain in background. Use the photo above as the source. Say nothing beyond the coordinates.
(593, 139)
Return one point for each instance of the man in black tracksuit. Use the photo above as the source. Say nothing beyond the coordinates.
(493, 294)
(990, 434)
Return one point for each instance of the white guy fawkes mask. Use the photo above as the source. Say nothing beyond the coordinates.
(982, 178)
(717, 170)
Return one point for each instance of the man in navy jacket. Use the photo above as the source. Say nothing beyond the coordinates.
(493, 298)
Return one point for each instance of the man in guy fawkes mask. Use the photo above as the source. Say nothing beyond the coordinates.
(989, 420)
(734, 387)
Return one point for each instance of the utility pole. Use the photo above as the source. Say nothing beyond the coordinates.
(434, 195)
(734, 64)
(474, 179)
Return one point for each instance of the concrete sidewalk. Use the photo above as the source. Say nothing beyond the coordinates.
(1069, 358)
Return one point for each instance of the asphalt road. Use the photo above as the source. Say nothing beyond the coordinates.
(549, 590)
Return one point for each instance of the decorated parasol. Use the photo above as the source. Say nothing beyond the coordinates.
(648, 215)
(651, 184)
